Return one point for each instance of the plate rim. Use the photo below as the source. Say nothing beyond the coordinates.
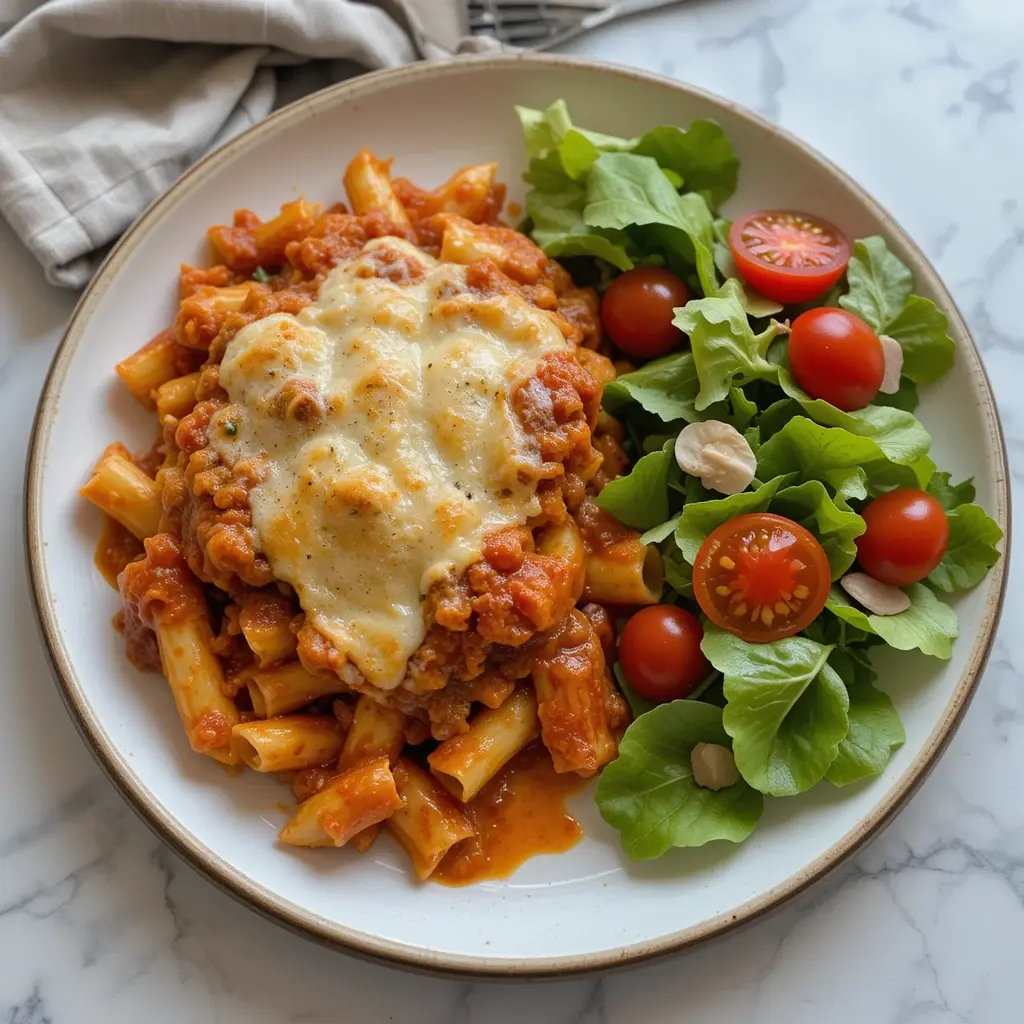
(421, 958)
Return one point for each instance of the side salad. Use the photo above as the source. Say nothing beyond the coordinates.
(769, 374)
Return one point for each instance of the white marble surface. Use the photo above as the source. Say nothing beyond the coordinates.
(921, 101)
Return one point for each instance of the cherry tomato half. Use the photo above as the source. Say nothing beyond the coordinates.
(636, 311)
(906, 537)
(660, 652)
(836, 356)
(788, 256)
(761, 577)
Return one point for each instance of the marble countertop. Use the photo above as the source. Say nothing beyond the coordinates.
(920, 101)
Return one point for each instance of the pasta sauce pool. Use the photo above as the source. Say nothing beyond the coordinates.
(517, 815)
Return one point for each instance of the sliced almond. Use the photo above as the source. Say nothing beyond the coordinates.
(879, 598)
(713, 766)
(893, 352)
(717, 453)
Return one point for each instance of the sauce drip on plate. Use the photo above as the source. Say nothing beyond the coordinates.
(517, 815)
(115, 549)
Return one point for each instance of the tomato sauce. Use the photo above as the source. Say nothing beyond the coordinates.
(517, 815)
(115, 549)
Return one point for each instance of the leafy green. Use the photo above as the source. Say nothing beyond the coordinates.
(879, 293)
(879, 283)
(786, 709)
(906, 398)
(649, 795)
(899, 436)
(638, 704)
(640, 499)
(875, 727)
(678, 572)
(921, 329)
(950, 495)
(625, 190)
(544, 130)
(702, 156)
(837, 528)
(666, 387)
(971, 550)
(726, 350)
(261, 275)
(699, 518)
(927, 625)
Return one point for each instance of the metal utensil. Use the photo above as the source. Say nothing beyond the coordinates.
(545, 23)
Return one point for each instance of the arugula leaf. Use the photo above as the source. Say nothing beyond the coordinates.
(786, 709)
(699, 518)
(656, 534)
(921, 329)
(879, 283)
(649, 795)
(725, 349)
(678, 572)
(951, 495)
(640, 499)
(625, 190)
(898, 434)
(835, 527)
(666, 387)
(875, 727)
(927, 625)
(971, 550)
(701, 155)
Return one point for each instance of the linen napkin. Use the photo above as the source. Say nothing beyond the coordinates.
(104, 103)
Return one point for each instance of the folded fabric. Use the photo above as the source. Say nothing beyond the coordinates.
(104, 103)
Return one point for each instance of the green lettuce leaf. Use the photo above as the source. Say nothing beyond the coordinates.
(899, 436)
(927, 625)
(699, 518)
(880, 286)
(666, 387)
(951, 495)
(879, 283)
(726, 350)
(786, 709)
(875, 727)
(625, 190)
(701, 155)
(837, 528)
(971, 551)
(544, 130)
(678, 572)
(906, 398)
(648, 792)
(640, 498)
(922, 328)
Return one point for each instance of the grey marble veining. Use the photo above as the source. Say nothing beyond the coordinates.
(920, 100)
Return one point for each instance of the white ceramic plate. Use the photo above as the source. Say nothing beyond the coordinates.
(585, 909)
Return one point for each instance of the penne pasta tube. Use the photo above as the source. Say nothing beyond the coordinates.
(201, 315)
(284, 688)
(564, 541)
(288, 742)
(375, 731)
(177, 397)
(513, 254)
(265, 621)
(356, 799)
(573, 693)
(430, 823)
(626, 572)
(123, 491)
(157, 362)
(465, 764)
(368, 184)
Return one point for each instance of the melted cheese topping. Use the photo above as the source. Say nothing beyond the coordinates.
(382, 411)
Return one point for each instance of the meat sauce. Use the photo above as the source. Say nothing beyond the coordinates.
(517, 815)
